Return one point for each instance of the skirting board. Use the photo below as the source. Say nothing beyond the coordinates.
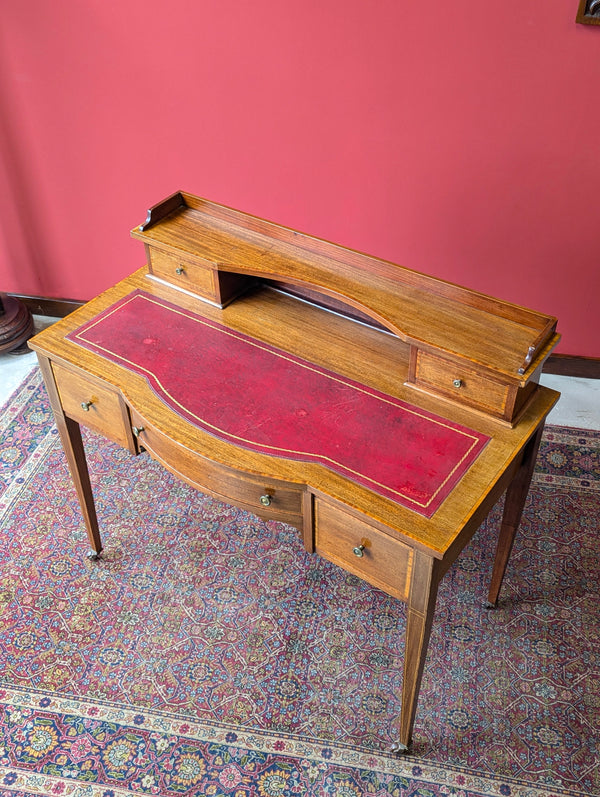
(559, 364)
(571, 365)
(54, 308)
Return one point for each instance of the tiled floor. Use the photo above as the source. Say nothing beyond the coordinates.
(579, 405)
(14, 367)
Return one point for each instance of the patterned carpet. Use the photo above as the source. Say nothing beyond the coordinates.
(207, 653)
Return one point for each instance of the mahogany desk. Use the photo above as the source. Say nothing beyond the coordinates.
(423, 351)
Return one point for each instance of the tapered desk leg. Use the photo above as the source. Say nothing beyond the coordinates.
(70, 436)
(516, 496)
(419, 619)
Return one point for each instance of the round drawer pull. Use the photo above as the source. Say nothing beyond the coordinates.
(137, 430)
(266, 499)
(180, 270)
(457, 382)
(358, 551)
(85, 405)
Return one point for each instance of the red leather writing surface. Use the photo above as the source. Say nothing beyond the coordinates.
(262, 398)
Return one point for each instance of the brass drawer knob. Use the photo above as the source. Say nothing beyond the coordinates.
(457, 382)
(137, 430)
(358, 551)
(180, 270)
(266, 500)
(85, 405)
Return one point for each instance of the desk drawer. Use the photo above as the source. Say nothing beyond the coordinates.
(182, 272)
(203, 279)
(94, 404)
(268, 498)
(460, 383)
(361, 549)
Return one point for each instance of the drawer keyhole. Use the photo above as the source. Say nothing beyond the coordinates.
(85, 405)
(358, 551)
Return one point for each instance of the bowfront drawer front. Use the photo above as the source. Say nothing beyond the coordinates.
(361, 549)
(462, 384)
(94, 404)
(267, 498)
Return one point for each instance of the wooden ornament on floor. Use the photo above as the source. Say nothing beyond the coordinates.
(16, 323)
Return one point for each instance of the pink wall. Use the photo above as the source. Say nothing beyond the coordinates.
(455, 140)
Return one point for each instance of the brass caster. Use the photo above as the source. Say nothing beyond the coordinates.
(94, 555)
(399, 749)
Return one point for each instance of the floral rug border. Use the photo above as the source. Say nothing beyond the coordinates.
(450, 779)
(35, 449)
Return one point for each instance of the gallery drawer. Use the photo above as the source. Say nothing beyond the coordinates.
(456, 381)
(182, 273)
(197, 276)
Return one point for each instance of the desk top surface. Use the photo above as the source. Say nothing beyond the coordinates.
(267, 400)
(360, 356)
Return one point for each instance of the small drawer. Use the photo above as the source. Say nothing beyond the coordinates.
(460, 383)
(268, 498)
(93, 404)
(183, 273)
(361, 549)
(202, 278)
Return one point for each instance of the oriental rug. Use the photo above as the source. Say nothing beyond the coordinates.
(207, 653)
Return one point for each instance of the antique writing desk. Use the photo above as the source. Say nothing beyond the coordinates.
(380, 411)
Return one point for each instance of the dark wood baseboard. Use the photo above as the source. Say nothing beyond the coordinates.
(571, 365)
(559, 364)
(55, 308)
